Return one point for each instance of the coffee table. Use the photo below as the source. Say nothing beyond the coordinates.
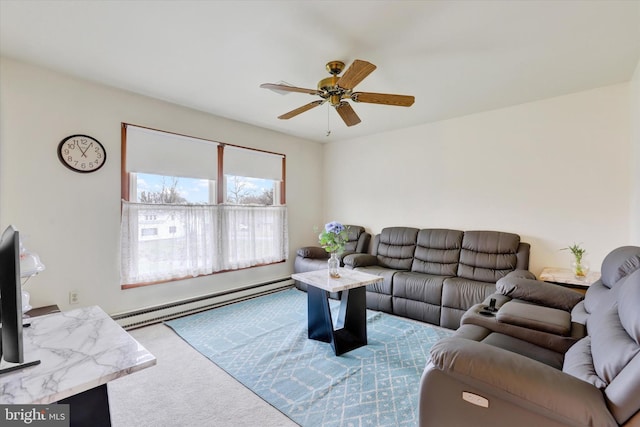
(351, 327)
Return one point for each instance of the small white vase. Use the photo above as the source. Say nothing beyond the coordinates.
(334, 266)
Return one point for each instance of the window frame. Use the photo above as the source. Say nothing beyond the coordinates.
(220, 190)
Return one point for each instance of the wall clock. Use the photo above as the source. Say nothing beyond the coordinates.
(81, 153)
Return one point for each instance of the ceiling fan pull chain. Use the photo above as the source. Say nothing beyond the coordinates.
(328, 118)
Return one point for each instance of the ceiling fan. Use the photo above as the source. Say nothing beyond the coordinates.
(337, 89)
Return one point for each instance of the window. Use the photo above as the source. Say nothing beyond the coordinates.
(153, 188)
(193, 207)
(244, 190)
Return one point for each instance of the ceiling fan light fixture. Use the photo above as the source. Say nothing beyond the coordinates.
(329, 84)
(335, 89)
(335, 67)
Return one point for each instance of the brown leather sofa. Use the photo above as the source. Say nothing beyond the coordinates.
(436, 275)
(545, 357)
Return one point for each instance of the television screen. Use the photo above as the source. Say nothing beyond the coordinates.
(11, 349)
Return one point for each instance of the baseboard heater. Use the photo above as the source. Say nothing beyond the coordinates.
(160, 313)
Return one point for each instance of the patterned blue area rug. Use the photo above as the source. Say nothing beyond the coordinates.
(263, 344)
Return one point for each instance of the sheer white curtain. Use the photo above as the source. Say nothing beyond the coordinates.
(164, 242)
(253, 235)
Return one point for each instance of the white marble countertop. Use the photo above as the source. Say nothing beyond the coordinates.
(348, 279)
(565, 275)
(79, 350)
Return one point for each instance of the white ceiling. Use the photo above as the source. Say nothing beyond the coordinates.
(455, 57)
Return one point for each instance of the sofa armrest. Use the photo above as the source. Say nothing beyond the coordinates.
(500, 300)
(538, 292)
(557, 343)
(522, 274)
(522, 381)
(312, 252)
(360, 260)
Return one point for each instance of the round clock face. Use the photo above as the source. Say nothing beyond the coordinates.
(81, 153)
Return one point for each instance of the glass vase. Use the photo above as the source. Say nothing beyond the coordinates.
(334, 266)
(580, 269)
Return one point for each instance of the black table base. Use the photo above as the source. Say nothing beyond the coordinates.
(351, 328)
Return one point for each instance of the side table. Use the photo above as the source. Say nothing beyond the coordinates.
(564, 277)
(351, 326)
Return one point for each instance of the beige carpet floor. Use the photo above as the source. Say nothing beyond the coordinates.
(184, 389)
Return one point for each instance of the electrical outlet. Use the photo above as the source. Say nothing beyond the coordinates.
(74, 297)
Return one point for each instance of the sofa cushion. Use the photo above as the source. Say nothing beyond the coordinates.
(458, 295)
(540, 318)
(538, 292)
(379, 294)
(579, 363)
(619, 263)
(623, 392)
(488, 255)
(357, 239)
(628, 310)
(418, 286)
(611, 347)
(396, 246)
(417, 296)
(437, 252)
(525, 348)
(464, 293)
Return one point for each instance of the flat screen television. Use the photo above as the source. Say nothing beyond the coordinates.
(11, 348)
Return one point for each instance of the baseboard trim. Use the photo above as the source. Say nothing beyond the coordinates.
(160, 313)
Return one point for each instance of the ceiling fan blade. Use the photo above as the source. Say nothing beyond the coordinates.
(383, 98)
(286, 88)
(356, 72)
(302, 109)
(348, 115)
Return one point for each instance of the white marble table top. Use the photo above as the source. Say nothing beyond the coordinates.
(565, 275)
(348, 279)
(79, 350)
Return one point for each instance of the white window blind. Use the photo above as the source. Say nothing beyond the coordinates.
(164, 153)
(255, 164)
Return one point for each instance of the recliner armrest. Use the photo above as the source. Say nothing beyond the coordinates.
(522, 381)
(315, 252)
(360, 260)
(558, 343)
(538, 317)
(538, 292)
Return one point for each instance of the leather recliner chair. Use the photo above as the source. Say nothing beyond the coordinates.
(489, 375)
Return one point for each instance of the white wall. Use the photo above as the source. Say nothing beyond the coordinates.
(72, 220)
(635, 157)
(555, 172)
